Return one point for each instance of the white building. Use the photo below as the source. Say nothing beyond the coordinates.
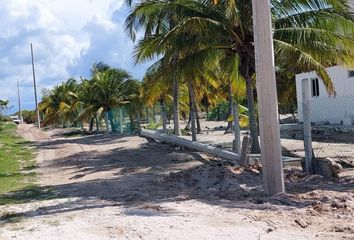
(338, 109)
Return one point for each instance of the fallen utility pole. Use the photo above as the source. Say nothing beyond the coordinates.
(162, 137)
(267, 98)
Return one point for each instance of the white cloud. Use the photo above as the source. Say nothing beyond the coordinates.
(68, 36)
(76, 14)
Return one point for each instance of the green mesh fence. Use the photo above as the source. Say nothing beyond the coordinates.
(122, 121)
(152, 117)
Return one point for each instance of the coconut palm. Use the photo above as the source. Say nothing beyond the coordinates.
(59, 104)
(3, 105)
(157, 90)
(111, 88)
(311, 35)
(3, 108)
(158, 24)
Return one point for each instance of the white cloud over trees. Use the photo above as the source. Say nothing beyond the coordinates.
(68, 37)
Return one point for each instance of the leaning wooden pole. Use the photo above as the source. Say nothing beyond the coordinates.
(35, 90)
(267, 99)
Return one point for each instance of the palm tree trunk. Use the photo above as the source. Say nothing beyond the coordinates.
(207, 110)
(192, 110)
(163, 113)
(91, 124)
(252, 115)
(106, 122)
(229, 124)
(177, 129)
(194, 132)
(218, 113)
(138, 122)
(188, 126)
(97, 124)
(199, 129)
(236, 117)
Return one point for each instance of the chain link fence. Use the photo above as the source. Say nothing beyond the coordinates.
(327, 124)
(330, 132)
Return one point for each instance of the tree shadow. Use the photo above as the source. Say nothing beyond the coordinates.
(89, 140)
(155, 173)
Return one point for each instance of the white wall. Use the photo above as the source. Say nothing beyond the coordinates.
(335, 110)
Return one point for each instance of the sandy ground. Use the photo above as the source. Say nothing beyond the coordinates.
(116, 187)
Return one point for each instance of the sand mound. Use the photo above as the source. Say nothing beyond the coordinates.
(217, 180)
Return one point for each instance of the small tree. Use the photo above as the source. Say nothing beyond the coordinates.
(3, 107)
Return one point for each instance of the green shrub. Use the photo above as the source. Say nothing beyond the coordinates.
(5, 118)
(153, 126)
(29, 116)
(219, 113)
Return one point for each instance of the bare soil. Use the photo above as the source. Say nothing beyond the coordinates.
(125, 187)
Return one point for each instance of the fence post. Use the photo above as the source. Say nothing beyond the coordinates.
(121, 119)
(245, 150)
(306, 117)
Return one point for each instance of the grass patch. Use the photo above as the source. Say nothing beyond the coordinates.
(27, 194)
(16, 160)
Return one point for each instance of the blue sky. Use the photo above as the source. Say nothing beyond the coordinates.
(68, 36)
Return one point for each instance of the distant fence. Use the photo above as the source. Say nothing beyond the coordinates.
(338, 110)
(123, 120)
(330, 132)
(332, 127)
(326, 124)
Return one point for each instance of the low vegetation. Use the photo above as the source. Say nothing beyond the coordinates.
(16, 161)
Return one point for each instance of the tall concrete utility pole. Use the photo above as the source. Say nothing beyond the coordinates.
(35, 90)
(19, 101)
(306, 116)
(267, 99)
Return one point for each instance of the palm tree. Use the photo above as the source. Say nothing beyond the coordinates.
(310, 34)
(59, 104)
(158, 24)
(155, 90)
(109, 89)
(3, 106)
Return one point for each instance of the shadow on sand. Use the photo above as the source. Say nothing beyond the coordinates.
(156, 173)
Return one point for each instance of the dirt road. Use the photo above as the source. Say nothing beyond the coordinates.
(113, 187)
